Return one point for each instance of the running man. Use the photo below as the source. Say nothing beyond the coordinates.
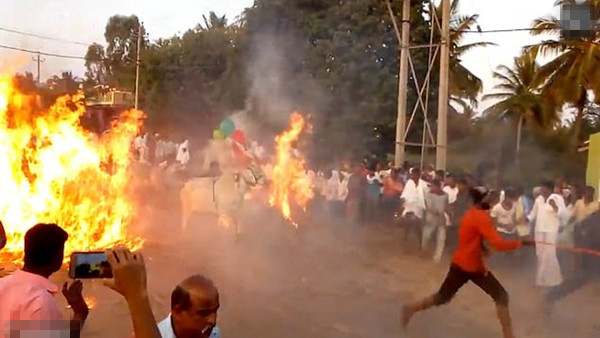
(467, 263)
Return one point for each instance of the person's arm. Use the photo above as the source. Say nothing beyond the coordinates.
(2, 236)
(129, 280)
(533, 213)
(489, 233)
(74, 297)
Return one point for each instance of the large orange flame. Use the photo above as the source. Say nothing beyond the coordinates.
(53, 170)
(289, 180)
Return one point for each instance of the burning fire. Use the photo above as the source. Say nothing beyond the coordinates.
(54, 171)
(289, 180)
(91, 302)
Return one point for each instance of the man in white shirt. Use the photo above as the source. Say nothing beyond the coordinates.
(413, 203)
(504, 215)
(451, 190)
(547, 213)
(194, 306)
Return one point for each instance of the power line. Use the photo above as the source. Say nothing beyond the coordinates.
(43, 53)
(504, 30)
(44, 37)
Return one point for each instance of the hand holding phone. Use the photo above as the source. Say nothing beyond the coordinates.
(89, 265)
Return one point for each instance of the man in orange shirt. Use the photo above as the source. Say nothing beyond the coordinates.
(467, 263)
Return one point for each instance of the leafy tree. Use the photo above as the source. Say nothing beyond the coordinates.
(573, 75)
(342, 63)
(96, 64)
(115, 65)
(213, 21)
(518, 98)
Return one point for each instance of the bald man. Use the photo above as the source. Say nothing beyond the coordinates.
(194, 306)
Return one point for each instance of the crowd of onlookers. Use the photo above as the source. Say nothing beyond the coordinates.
(28, 307)
(432, 202)
(426, 202)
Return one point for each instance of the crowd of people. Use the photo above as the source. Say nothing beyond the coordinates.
(153, 149)
(458, 211)
(28, 307)
(439, 205)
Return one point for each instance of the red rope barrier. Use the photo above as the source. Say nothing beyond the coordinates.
(572, 249)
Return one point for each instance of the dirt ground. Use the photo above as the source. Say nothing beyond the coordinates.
(329, 280)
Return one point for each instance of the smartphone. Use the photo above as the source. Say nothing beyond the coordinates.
(88, 265)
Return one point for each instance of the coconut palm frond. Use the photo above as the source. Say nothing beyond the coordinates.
(545, 25)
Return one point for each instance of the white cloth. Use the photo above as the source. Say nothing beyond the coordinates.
(548, 269)
(414, 198)
(375, 178)
(440, 239)
(506, 219)
(523, 227)
(335, 188)
(166, 329)
(451, 192)
(547, 224)
(546, 219)
(183, 153)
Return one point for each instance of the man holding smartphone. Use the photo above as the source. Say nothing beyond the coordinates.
(27, 296)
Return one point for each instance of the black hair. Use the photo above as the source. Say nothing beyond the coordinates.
(440, 173)
(180, 298)
(415, 171)
(436, 182)
(43, 244)
(478, 194)
(548, 184)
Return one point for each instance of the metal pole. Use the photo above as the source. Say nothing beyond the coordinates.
(402, 85)
(39, 60)
(442, 123)
(137, 65)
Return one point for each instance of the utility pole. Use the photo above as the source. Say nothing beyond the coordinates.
(137, 64)
(39, 60)
(402, 80)
(442, 122)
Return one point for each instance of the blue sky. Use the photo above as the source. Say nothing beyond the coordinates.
(84, 20)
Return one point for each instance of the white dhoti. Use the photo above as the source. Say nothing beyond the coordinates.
(429, 229)
(548, 269)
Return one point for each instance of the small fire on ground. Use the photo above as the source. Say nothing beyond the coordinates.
(52, 170)
(289, 180)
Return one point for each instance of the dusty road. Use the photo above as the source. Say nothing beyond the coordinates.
(330, 281)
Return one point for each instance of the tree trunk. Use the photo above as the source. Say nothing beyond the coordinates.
(519, 132)
(577, 124)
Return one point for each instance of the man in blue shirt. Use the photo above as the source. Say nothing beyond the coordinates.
(194, 306)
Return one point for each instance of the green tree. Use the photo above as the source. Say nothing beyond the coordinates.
(115, 64)
(65, 84)
(463, 84)
(96, 64)
(341, 61)
(573, 74)
(213, 21)
(518, 98)
(191, 81)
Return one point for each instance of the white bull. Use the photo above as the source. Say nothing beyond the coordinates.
(222, 195)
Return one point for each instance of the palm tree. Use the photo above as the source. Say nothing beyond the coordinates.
(213, 22)
(518, 96)
(463, 84)
(572, 75)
